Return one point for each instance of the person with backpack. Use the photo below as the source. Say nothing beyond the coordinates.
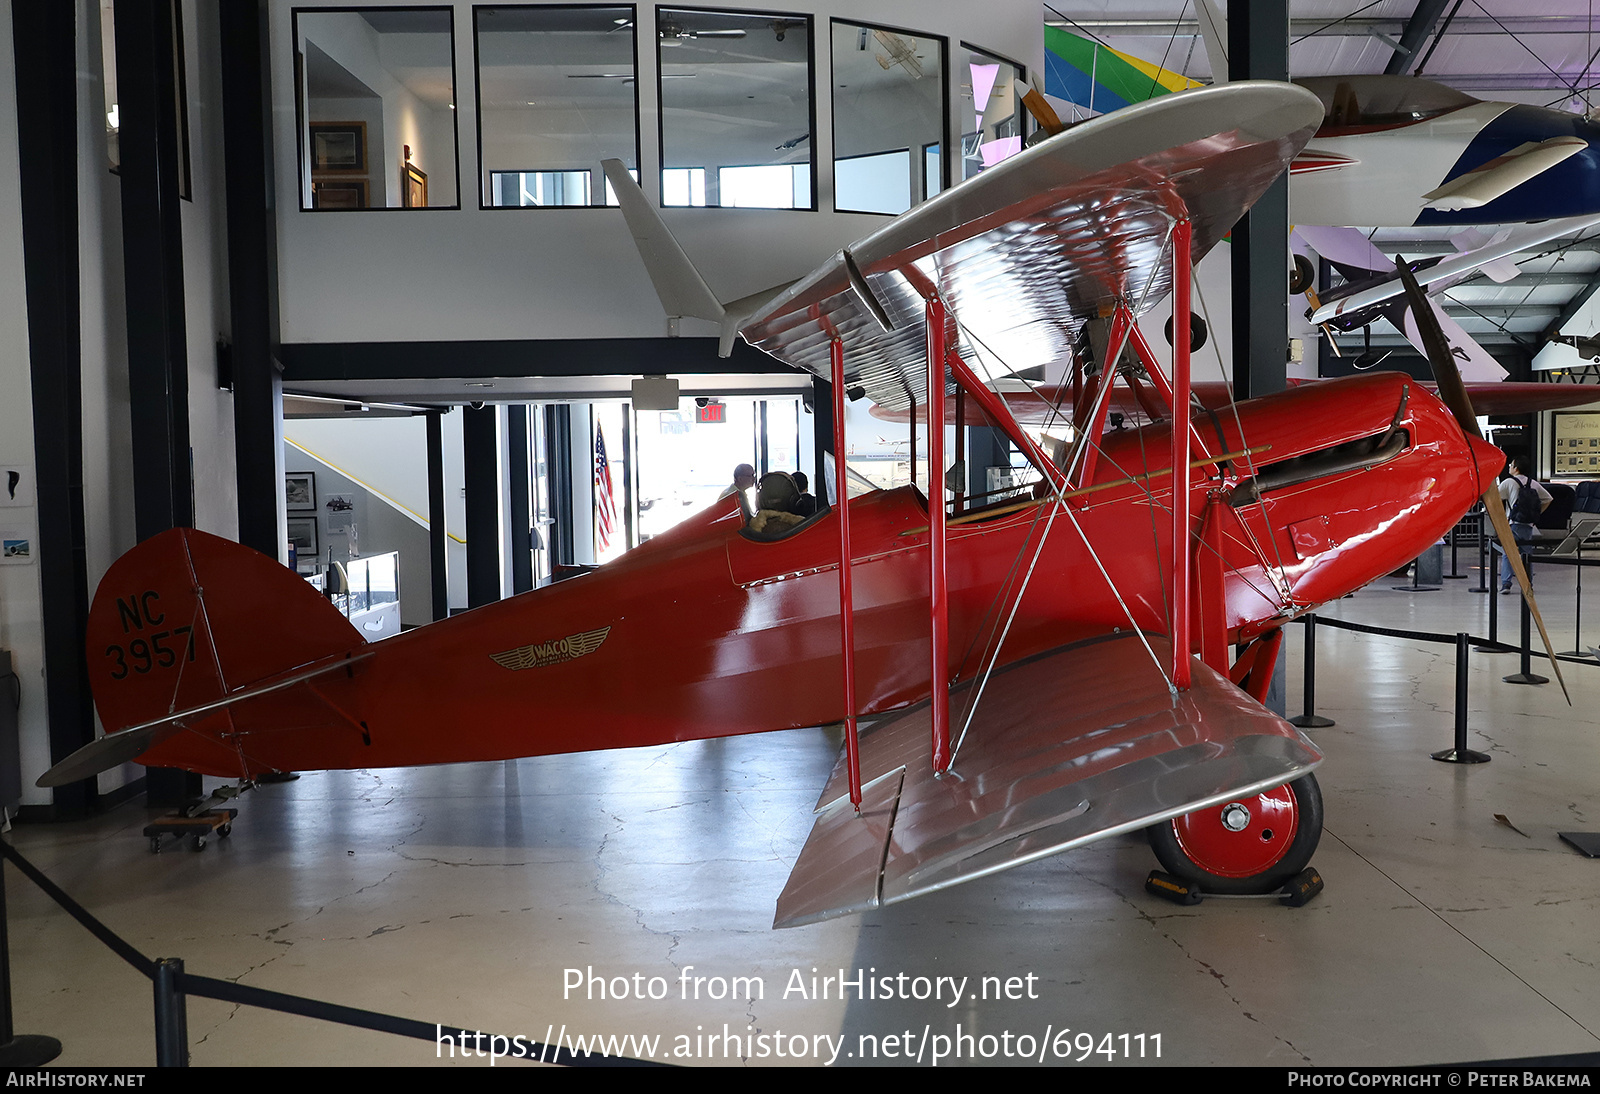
(1524, 500)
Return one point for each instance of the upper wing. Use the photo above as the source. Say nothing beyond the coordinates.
(1071, 746)
(1036, 244)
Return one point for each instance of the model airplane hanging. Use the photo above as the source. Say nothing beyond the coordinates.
(1391, 151)
(1045, 672)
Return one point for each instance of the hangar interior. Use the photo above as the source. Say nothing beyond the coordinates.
(369, 251)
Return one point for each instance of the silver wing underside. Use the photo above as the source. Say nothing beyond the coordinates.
(1068, 747)
(1033, 246)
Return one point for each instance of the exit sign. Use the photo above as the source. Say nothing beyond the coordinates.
(710, 414)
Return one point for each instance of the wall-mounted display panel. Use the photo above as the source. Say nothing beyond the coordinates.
(1577, 442)
(736, 108)
(557, 94)
(375, 91)
(993, 122)
(890, 115)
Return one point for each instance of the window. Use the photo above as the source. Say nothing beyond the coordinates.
(991, 97)
(376, 92)
(557, 94)
(736, 109)
(888, 100)
(538, 188)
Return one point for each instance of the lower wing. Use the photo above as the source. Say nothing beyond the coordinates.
(1074, 745)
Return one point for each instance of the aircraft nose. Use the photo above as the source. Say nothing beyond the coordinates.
(1489, 460)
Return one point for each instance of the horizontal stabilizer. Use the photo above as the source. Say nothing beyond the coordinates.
(1502, 174)
(1068, 747)
(104, 753)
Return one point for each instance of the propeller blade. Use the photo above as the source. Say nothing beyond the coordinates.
(1502, 530)
(1454, 394)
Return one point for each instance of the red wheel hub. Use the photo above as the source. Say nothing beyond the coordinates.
(1240, 838)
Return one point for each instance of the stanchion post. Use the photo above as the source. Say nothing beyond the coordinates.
(1485, 556)
(1310, 719)
(1527, 675)
(1455, 539)
(28, 1050)
(1461, 754)
(1494, 617)
(172, 1015)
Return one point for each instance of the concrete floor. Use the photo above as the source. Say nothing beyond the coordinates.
(460, 895)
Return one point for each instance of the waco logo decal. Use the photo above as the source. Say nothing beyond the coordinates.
(543, 654)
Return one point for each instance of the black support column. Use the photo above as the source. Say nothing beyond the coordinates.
(519, 517)
(252, 268)
(46, 68)
(152, 254)
(437, 559)
(1258, 49)
(558, 463)
(152, 273)
(481, 448)
(822, 435)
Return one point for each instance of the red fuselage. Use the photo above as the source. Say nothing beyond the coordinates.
(705, 632)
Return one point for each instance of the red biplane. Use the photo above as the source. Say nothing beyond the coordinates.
(1042, 670)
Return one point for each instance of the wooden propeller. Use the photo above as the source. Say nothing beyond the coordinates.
(1454, 394)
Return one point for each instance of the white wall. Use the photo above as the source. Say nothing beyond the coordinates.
(21, 605)
(571, 273)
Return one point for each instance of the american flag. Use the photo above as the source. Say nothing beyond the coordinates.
(605, 504)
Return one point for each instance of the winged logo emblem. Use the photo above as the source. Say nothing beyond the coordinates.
(543, 654)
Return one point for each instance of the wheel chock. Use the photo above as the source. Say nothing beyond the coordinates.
(1172, 888)
(1301, 888)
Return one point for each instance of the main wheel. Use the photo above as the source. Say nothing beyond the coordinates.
(1247, 845)
(1302, 275)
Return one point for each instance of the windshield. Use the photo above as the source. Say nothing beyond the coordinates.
(1381, 100)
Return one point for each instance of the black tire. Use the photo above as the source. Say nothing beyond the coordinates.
(1198, 332)
(1198, 848)
(1302, 275)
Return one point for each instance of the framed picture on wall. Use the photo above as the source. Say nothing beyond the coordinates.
(339, 193)
(415, 188)
(339, 146)
(303, 535)
(300, 491)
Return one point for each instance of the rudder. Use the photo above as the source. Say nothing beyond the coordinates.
(186, 619)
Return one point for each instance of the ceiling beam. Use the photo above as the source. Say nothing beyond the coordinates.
(1418, 27)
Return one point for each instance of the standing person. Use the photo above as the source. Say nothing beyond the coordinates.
(744, 477)
(1524, 500)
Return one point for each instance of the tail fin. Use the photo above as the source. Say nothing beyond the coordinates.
(679, 285)
(180, 626)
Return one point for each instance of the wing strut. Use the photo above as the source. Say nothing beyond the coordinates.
(847, 624)
(1181, 551)
(938, 591)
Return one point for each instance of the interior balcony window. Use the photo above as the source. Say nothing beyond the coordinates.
(736, 109)
(377, 107)
(556, 95)
(994, 125)
(889, 118)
